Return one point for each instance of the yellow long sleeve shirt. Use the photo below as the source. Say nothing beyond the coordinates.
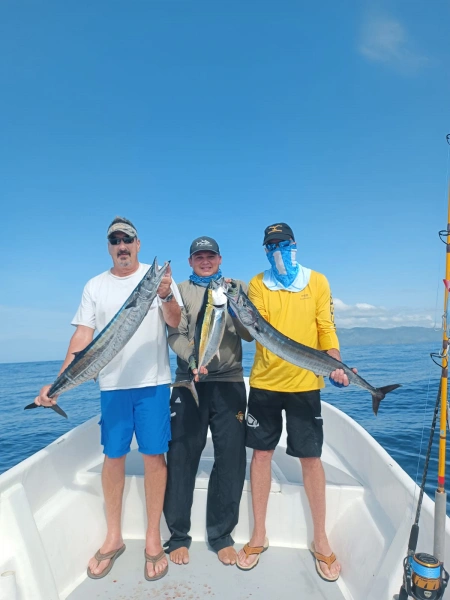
(305, 317)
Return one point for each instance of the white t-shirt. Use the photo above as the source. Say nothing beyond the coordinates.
(144, 361)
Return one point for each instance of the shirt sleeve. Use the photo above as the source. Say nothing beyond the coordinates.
(176, 293)
(256, 296)
(178, 338)
(85, 314)
(326, 329)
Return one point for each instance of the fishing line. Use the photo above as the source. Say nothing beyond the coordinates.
(424, 414)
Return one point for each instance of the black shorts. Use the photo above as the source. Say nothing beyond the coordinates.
(304, 424)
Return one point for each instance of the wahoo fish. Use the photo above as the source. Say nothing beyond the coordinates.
(320, 363)
(209, 330)
(88, 363)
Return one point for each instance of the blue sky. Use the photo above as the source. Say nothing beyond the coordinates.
(206, 118)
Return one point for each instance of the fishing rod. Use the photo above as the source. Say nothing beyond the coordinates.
(424, 576)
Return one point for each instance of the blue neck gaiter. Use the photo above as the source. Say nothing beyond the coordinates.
(204, 281)
(282, 258)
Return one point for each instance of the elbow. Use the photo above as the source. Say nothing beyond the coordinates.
(173, 320)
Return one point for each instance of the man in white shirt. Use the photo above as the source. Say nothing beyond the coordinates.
(134, 393)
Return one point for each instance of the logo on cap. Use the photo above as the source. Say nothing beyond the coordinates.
(203, 243)
(275, 229)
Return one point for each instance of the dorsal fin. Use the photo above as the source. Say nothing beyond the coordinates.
(132, 304)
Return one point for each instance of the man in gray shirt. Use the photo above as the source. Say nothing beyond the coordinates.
(222, 405)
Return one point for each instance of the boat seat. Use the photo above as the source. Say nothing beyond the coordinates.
(285, 469)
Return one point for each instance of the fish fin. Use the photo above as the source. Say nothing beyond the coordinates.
(132, 304)
(380, 393)
(58, 410)
(32, 405)
(54, 407)
(190, 385)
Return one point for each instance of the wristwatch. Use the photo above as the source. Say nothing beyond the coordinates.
(167, 298)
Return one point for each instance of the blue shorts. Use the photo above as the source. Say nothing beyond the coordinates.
(144, 411)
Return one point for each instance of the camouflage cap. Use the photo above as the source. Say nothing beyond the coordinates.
(123, 225)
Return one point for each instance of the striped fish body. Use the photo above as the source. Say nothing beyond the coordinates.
(305, 357)
(210, 325)
(88, 363)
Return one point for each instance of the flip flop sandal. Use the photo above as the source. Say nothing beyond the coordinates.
(328, 560)
(112, 556)
(252, 550)
(154, 560)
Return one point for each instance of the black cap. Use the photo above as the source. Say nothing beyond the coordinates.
(278, 231)
(204, 244)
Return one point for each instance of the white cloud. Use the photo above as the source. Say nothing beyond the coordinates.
(367, 315)
(385, 40)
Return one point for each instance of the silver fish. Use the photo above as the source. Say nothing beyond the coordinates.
(320, 363)
(210, 325)
(209, 330)
(88, 363)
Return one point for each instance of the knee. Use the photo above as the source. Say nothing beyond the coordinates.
(115, 463)
(154, 462)
(262, 456)
(311, 463)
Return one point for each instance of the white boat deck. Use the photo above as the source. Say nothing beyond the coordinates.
(52, 521)
(280, 571)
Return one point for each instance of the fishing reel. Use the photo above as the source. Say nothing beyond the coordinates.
(424, 578)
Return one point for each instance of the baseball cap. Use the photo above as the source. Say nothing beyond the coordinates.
(123, 225)
(205, 244)
(278, 231)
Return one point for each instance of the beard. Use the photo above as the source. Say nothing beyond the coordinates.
(124, 259)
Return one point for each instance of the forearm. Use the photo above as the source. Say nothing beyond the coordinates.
(334, 352)
(180, 345)
(78, 342)
(241, 330)
(171, 313)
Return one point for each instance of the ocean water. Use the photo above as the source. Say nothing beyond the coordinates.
(402, 426)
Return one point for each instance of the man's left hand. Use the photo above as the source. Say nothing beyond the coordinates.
(340, 378)
(164, 287)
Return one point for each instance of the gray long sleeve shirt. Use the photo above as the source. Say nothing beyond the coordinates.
(229, 367)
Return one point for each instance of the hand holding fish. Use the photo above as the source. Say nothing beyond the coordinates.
(340, 378)
(164, 287)
(203, 371)
(43, 400)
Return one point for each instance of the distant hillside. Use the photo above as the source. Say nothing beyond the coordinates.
(370, 336)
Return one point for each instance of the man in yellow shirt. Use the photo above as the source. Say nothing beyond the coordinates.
(297, 301)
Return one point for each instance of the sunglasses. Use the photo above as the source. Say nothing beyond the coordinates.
(284, 244)
(126, 240)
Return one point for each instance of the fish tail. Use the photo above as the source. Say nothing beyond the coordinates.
(190, 385)
(380, 393)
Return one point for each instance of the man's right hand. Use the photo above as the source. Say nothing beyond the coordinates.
(203, 371)
(43, 399)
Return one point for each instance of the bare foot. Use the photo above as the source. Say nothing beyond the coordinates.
(248, 561)
(335, 568)
(97, 567)
(227, 555)
(180, 556)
